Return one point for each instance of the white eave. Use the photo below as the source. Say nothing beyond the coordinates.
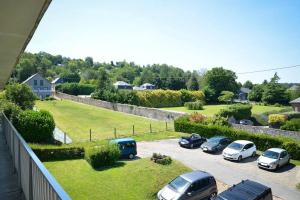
(18, 22)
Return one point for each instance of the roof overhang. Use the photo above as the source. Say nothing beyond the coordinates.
(18, 22)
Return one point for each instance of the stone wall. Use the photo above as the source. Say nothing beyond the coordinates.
(153, 113)
(267, 130)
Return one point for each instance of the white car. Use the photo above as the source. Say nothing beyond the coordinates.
(239, 150)
(273, 159)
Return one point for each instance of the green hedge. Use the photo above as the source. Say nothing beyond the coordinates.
(76, 88)
(238, 111)
(58, 153)
(197, 105)
(291, 125)
(262, 141)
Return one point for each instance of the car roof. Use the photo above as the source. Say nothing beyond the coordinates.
(195, 175)
(278, 150)
(220, 137)
(123, 140)
(243, 142)
(246, 189)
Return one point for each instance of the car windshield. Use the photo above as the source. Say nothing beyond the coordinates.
(179, 184)
(236, 146)
(214, 140)
(271, 154)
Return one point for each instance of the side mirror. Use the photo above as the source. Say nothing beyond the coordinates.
(244, 150)
(189, 194)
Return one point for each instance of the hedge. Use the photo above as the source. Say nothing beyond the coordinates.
(58, 153)
(262, 141)
(76, 88)
(197, 105)
(238, 111)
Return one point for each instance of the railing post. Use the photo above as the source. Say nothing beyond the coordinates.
(30, 180)
(19, 164)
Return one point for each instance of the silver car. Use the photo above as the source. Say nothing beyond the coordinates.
(190, 186)
(273, 159)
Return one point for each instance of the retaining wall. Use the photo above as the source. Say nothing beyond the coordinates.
(153, 113)
(267, 130)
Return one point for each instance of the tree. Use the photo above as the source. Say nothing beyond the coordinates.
(248, 84)
(89, 61)
(226, 97)
(256, 93)
(103, 80)
(20, 94)
(70, 77)
(193, 83)
(219, 79)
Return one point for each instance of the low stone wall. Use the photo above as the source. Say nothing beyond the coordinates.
(153, 113)
(267, 130)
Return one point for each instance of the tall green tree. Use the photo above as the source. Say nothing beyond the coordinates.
(256, 93)
(226, 97)
(193, 83)
(248, 84)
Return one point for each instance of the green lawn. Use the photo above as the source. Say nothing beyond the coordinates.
(138, 179)
(76, 119)
(211, 110)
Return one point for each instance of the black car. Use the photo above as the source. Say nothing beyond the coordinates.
(215, 144)
(194, 140)
(247, 190)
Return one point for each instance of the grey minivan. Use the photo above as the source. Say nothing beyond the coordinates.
(190, 186)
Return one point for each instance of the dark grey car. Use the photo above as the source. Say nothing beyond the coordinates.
(215, 144)
(190, 186)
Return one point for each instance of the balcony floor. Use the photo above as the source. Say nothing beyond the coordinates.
(9, 187)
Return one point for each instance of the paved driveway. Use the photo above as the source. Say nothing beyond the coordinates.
(282, 182)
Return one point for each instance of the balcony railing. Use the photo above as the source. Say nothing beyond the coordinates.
(35, 180)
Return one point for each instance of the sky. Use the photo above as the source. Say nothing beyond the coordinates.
(240, 35)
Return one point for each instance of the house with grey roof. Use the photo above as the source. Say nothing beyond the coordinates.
(121, 85)
(296, 104)
(147, 86)
(243, 93)
(39, 85)
(56, 82)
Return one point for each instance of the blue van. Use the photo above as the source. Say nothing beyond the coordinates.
(127, 147)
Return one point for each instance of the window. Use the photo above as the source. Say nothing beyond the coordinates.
(41, 82)
(248, 146)
(198, 185)
(35, 82)
(283, 154)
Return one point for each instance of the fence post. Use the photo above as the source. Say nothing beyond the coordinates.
(133, 129)
(90, 135)
(166, 125)
(150, 128)
(115, 132)
(65, 138)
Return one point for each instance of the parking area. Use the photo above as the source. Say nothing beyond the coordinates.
(282, 181)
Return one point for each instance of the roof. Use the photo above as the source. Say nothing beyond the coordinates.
(245, 190)
(55, 80)
(296, 100)
(137, 88)
(218, 136)
(294, 87)
(147, 84)
(243, 142)
(121, 83)
(245, 90)
(32, 76)
(123, 140)
(277, 150)
(195, 175)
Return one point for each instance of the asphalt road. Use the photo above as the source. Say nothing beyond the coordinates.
(282, 181)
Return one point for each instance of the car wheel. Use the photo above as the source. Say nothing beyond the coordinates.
(253, 154)
(212, 196)
(192, 146)
(240, 158)
(277, 167)
(131, 156)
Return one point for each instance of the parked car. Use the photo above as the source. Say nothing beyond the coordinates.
(247, 190)
(239, 150)
(246, 122)
(190, 186)
(127, 147)
(195, 140)
(215, 144)
(273, 159)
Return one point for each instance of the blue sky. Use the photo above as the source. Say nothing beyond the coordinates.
(239, 35)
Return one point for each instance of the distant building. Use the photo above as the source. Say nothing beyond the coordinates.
(137, 88)
(296, 104)
(294, 87)
(39, 85)
(121, 85)
(243, 93)
(56, 82)
(147, 86)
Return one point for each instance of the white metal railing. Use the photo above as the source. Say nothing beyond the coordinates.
(35, 180)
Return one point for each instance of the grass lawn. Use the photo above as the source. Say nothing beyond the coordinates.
(210, 110)
(138, 179)
(76, 119)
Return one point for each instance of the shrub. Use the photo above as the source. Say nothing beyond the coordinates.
(292, 115)
(276, 120)
(238, 111)
(101, 156)
(291, 125)
(51, 98)
(217, 120)
(160, 98)
(262, 141)
(76, 88)
(197, 105)
(191, 96)
(58, 153)
(10, 109)
(161, 159)
(197, 117)
(36, 126)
